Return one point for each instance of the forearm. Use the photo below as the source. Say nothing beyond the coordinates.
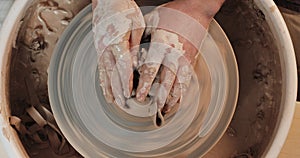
(201, 10)
(207, 7)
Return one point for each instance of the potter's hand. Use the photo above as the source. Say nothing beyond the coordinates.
(178, 29)
(118, 26)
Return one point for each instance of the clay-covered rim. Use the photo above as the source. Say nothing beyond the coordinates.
(289, 75)
(225, 84)
(8, 35)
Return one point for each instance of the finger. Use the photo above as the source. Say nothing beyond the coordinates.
(149, 69)
(184, 76)
(168, 73)
(138, 27)
(152, 21)
(181, 84)
(124, 67)
(117, 88)
(104, 78)
(142, 57)
(147, 74)
(174, 96)
(167, 79)
(114, 78)
(135, 40)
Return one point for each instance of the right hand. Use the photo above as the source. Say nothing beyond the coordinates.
(177, 30)
(118, 26)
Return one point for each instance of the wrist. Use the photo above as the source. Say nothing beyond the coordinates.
(205, 7)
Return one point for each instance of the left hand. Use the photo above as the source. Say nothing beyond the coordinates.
(118, 26)
(178, 31)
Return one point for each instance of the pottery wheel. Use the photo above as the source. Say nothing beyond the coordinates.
(97, 129)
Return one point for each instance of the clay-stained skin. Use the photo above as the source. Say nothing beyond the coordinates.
(166, 49)
(118, 26)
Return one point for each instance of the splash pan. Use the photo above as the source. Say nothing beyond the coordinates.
(97, 129)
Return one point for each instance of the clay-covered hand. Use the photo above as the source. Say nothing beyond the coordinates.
(118, 26)
(177, 30)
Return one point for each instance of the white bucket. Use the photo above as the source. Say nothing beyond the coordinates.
(287, 58)
(9, 31)
(273, 17)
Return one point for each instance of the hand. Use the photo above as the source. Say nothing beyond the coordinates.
(118, 26)
(178, 29)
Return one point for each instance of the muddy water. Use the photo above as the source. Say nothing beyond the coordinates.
(260, 82)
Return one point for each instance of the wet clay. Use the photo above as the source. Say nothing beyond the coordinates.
(260, 77)
(257, 112)
(41, 28)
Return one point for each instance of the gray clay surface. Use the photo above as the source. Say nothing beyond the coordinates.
(260, 76)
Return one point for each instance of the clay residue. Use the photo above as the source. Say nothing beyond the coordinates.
(258, 58)
(273, 8)
(257, 111)
(42, 26)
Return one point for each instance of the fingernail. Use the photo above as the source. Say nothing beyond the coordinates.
(160, 105)
(109, 99)
(166, 110)
(161, 96)
(119, 101)
(127, 94)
